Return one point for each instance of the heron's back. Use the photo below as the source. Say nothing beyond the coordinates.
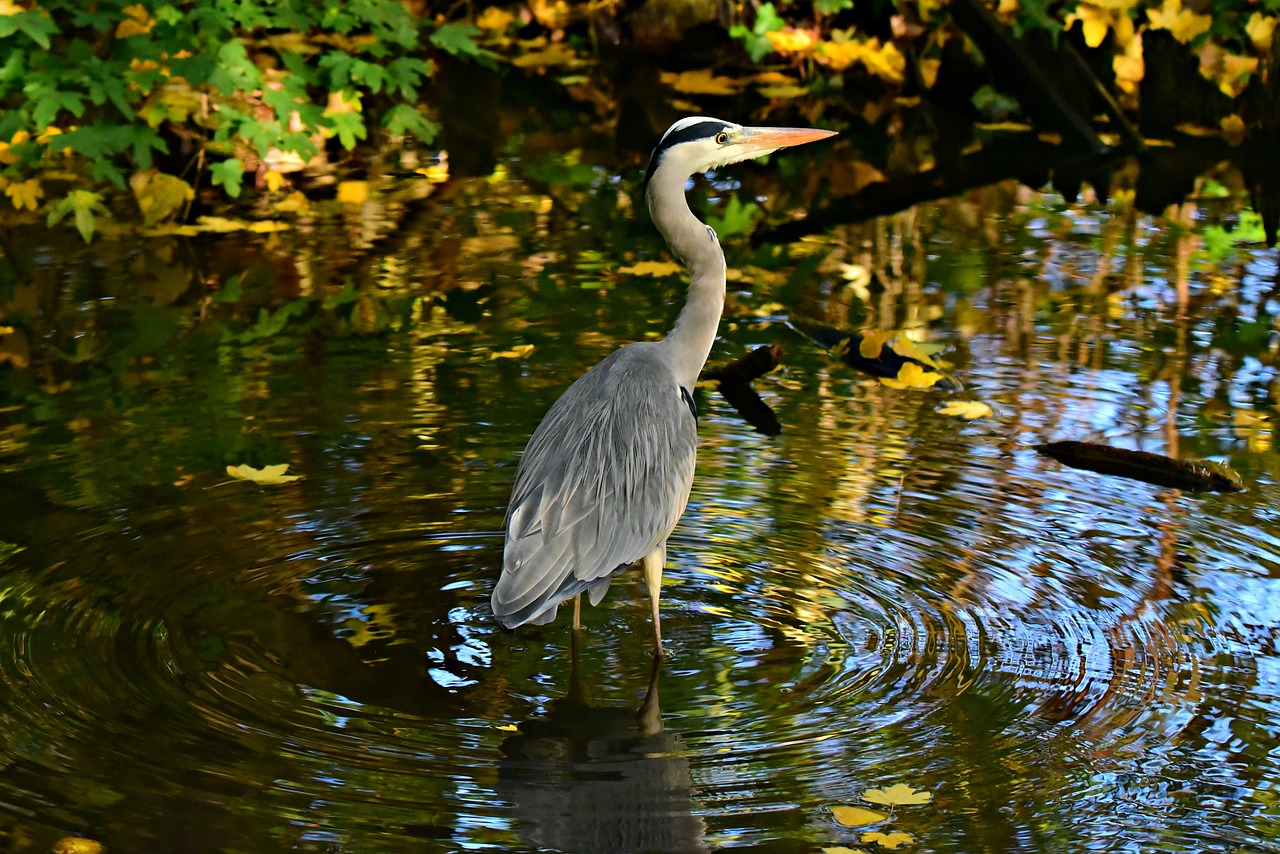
(601, 484)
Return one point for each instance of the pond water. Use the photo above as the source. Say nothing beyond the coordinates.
(880, 594)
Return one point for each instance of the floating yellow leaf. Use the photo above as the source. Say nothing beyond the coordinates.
(899, 794)
(1261, 30)
(138, 21)
(517, 352)
(969, 409)
(25, 194)
(921, 351)
(857, 816)
(8, 7)
(353, 192)
(872, 343)
(653, 268)
(77, 845)
(1181, 22)
(267, 475)
(702, 82)
(508, 727)
(886, 840)
(840, 849)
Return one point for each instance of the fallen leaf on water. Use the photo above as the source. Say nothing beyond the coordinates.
(508, 727)
(857, 816)
(517, 352)
(899, 794)
(653, 268)
(911, 376)
(969, 409)
(886, 840)
(267, 475)
(76, 845)
(840, 849)
(872, 343)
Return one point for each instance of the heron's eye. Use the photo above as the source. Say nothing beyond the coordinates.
(722, 138)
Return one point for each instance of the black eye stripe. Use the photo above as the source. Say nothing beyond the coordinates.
(700, 130)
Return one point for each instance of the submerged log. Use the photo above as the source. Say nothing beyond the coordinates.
(1188, 475)
(847, 347)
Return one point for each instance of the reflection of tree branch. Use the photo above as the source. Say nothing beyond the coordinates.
(1029, 159)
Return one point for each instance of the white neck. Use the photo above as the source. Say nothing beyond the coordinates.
(696, 245)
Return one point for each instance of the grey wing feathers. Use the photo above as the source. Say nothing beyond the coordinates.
(602, 483)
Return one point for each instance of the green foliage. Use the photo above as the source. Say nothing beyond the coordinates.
(84, 206)
(754, 40)
(114, 84)
(735, 218)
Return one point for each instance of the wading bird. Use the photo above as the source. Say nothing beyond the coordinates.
(607, 473)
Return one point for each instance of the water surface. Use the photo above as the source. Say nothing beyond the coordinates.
(880, 594)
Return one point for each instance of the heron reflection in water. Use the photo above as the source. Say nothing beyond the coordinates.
(606, 475)
(601, 779)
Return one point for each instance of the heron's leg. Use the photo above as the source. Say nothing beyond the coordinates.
(654, 562)
(577, 613)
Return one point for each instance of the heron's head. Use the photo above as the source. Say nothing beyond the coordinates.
(698, 144)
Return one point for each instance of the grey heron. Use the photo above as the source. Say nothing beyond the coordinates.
(606, 475)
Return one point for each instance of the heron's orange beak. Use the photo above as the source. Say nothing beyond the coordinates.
(771, 139)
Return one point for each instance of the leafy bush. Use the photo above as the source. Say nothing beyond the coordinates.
(227, 86)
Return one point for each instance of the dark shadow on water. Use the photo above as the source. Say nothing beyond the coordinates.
(602, 779)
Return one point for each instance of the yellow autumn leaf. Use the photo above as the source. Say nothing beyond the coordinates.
(702, 81)
(159, 196)
(47, 134)
(7, 156)
(507, 728)
(885, 61)
(899, 794)
(495, 20)
(1261, 30)
(1233, 129)
(911, 375)
(137, 21)
(840, 849)
(1129, 66)
(537, 54)
(295, 202)
(1181, 22)
(436, 173)
(8, 7)
(353, 192)
(653, 268)
(871, 344)
(25, 194)
(517, 352)
(969, 409)
(267, 226)
(274, 180)
(266, 476)
(791, 40)
(857, 816)
(841, 348)
(886, 840)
